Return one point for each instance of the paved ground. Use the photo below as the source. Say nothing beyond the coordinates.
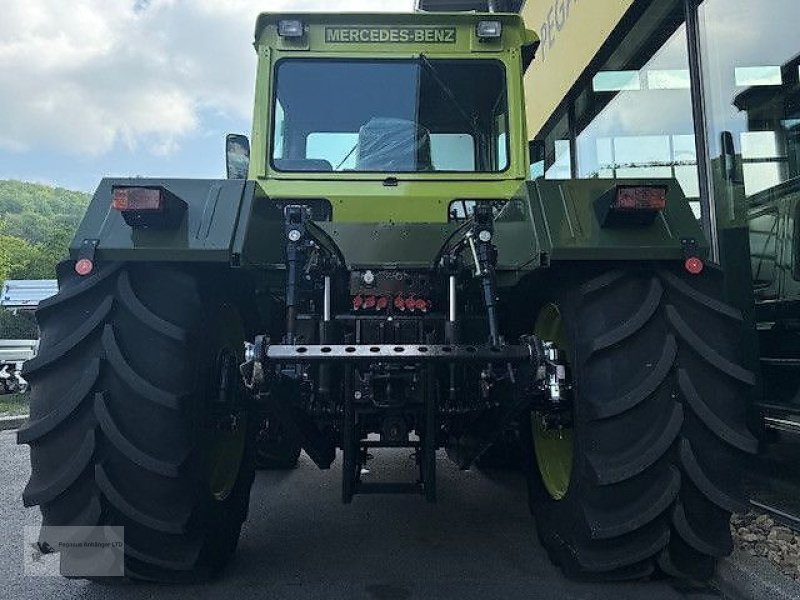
(300, 542)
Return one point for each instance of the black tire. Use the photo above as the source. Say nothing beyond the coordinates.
(274, 450)
(505, 454)
(660, 433)
(125, 407)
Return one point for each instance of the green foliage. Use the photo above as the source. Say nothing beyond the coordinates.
(37, 223)
(14, 404)
(30, 210)
(5, 255)
(20, 326)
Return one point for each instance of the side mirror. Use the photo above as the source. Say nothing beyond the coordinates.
(237, 155)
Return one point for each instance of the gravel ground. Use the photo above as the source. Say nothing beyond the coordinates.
(759, 535)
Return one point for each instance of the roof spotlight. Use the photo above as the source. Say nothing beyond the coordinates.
(291, 28)
(489, 30)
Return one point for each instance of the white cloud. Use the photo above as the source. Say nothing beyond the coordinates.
(84, 76)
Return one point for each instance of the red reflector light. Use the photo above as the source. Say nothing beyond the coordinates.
(641, 198)
(127, 199)
(84, 266)
(694, 265)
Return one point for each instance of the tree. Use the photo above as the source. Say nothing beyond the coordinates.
(18, 255)
(37, 226)
(49, 253)
(5, 256)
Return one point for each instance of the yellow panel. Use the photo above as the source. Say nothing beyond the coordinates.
(572, 32)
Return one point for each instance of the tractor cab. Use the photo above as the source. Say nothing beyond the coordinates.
(403, 104)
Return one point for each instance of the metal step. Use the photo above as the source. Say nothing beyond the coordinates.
(786, 425)
(786, 363)
(786, 518)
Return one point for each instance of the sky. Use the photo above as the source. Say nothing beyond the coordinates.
(98, 88)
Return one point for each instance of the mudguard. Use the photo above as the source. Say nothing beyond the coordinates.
(567, 226)
(207, 232)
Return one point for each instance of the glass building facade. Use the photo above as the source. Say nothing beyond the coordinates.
(703, 91)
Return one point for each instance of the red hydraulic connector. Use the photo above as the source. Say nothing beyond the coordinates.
(383, 302)
(411, 304)
(399, 303)
(422, 305)
(369, 302)
(358, 302)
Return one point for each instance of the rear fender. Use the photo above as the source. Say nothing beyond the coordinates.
(216, 211)
(568, 228)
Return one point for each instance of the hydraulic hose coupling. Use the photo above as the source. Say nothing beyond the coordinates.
(484, 254)
(295, 219)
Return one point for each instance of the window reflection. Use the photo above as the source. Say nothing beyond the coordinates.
(636, 119)
(558, 151)
(751, 60)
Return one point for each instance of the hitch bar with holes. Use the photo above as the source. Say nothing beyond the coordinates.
(262, 377)
(402, 353)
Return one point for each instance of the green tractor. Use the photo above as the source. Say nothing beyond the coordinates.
(379, 271)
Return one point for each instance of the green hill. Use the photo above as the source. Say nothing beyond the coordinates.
(37, 223)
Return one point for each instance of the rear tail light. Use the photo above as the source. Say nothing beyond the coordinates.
(137, 199)
(631, 205)
(641, 198)
(147, 206)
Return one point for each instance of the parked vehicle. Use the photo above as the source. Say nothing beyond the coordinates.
(9, 384)
(13, 353)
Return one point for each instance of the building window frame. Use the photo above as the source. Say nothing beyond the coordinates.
(708, 204)
(691, 10)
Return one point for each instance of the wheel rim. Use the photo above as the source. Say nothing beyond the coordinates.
(554, 450)
(229, 427)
